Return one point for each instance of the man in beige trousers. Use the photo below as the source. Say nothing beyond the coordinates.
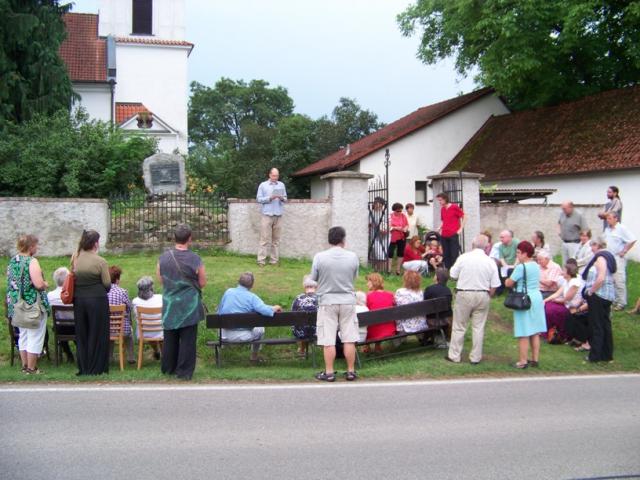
(477, 277)
(271, 196)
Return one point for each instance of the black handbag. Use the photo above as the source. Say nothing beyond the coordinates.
(519, 300)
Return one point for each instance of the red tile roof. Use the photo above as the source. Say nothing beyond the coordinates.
(596, 133)
(124, 111)
(154, 41)
(392, 132)
(82, 51)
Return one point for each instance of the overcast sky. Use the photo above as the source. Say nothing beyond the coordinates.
(320, 50)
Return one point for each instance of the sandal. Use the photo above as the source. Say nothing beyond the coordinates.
(350, 376)
(520, 366)
(582, 349)
(533, 363)
(326, 377)
(35, 371)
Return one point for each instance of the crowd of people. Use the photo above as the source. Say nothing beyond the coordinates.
(569, 304)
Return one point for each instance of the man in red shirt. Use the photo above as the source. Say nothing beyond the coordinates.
(452, 224)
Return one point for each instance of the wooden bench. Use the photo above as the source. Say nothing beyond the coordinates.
(252, 320)
(437, 311)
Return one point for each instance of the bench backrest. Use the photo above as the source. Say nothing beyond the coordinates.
(438, 308)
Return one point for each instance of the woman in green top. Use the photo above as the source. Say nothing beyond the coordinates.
(91, 306)
(25, 275)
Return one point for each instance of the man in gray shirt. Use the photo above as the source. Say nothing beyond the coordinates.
(570, 224)
(335, 270)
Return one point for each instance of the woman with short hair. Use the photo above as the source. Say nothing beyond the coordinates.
(527, 324)
(410, 292)
(398, 227)
(305, 302)
(91, 306)
(54, 297)
(25, 280)
(148, 299)
(584, 253)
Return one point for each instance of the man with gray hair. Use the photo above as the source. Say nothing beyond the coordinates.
(477, 277)
(570, 224)
(241, 300)
(619, 241)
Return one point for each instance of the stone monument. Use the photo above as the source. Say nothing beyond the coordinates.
(164, 173)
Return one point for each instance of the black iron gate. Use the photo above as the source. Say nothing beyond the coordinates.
(378, 207)
(150, 220)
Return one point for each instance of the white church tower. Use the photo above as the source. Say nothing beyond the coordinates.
(151, 54)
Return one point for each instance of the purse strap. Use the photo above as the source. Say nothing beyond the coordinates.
(197, 287)
(21, 287)
(524, 279)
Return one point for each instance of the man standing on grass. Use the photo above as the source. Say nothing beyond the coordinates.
(336, 270)
(271, 195)
(619, 241)
(477, 277)
(570, 224)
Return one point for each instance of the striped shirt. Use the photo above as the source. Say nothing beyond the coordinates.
(119, 296)
(607, 290)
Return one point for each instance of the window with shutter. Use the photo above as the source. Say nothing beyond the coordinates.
(142, 17)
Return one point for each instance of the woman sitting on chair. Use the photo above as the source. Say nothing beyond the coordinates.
(146, 298)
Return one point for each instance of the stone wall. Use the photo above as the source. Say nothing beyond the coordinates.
(523, 219)
(58, 222)
(304, 230)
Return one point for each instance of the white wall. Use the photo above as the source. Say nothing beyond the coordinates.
(95, 99)
(591, 189)
(157, 77)
(427, 151)
(168, 18)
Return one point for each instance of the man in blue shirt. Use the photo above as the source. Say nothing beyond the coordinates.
(271, 195)
(619, 241)
(241, 300)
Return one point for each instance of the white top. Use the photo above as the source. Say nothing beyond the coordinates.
(475, 271)
(576, 301)
(495, 251)
(415, 221)
(55, 301)
(153, 302)
(583, 255)
(617, 238)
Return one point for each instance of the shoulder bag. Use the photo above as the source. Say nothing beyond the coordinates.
(519, 300)
(25, 315)
(69, 286)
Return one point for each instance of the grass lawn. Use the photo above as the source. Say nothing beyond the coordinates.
(279, 285)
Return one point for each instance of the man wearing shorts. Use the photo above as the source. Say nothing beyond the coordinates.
(335, 270)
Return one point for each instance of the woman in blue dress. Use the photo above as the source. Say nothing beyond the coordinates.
(528, 324)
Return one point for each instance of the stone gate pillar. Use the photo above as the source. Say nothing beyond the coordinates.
(348, 194)
(460, 186)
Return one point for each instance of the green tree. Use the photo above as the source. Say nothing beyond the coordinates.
(69, 156)
(218, 116)
(533, 52)
(33, 78)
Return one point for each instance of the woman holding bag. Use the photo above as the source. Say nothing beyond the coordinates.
(527, 324)
(25, 283)
(91, 306)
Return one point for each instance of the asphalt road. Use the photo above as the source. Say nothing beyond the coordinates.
(557, 428)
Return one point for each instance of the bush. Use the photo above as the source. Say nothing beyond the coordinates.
(66, 155)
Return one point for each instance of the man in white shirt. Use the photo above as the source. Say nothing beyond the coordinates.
(415, 221)
(477, 277)
(619, 241)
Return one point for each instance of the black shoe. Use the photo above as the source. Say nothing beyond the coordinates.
(156, 355)
(449, 359)
(350, 376)
(474, 363)
(326, 377)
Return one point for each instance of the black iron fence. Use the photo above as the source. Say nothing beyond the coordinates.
(379, 224)
(144, 219)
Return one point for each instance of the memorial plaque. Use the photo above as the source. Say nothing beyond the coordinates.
(164, 173)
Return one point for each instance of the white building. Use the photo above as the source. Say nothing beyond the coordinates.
(420, 144)
(578, 149)
(128, 63)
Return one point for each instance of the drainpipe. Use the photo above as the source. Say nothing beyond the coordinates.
(111, 74)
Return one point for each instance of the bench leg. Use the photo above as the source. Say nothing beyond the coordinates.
(57, 352)
(216, 349)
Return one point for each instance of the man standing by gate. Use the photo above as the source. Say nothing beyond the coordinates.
(452, 224)
(271, 195)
